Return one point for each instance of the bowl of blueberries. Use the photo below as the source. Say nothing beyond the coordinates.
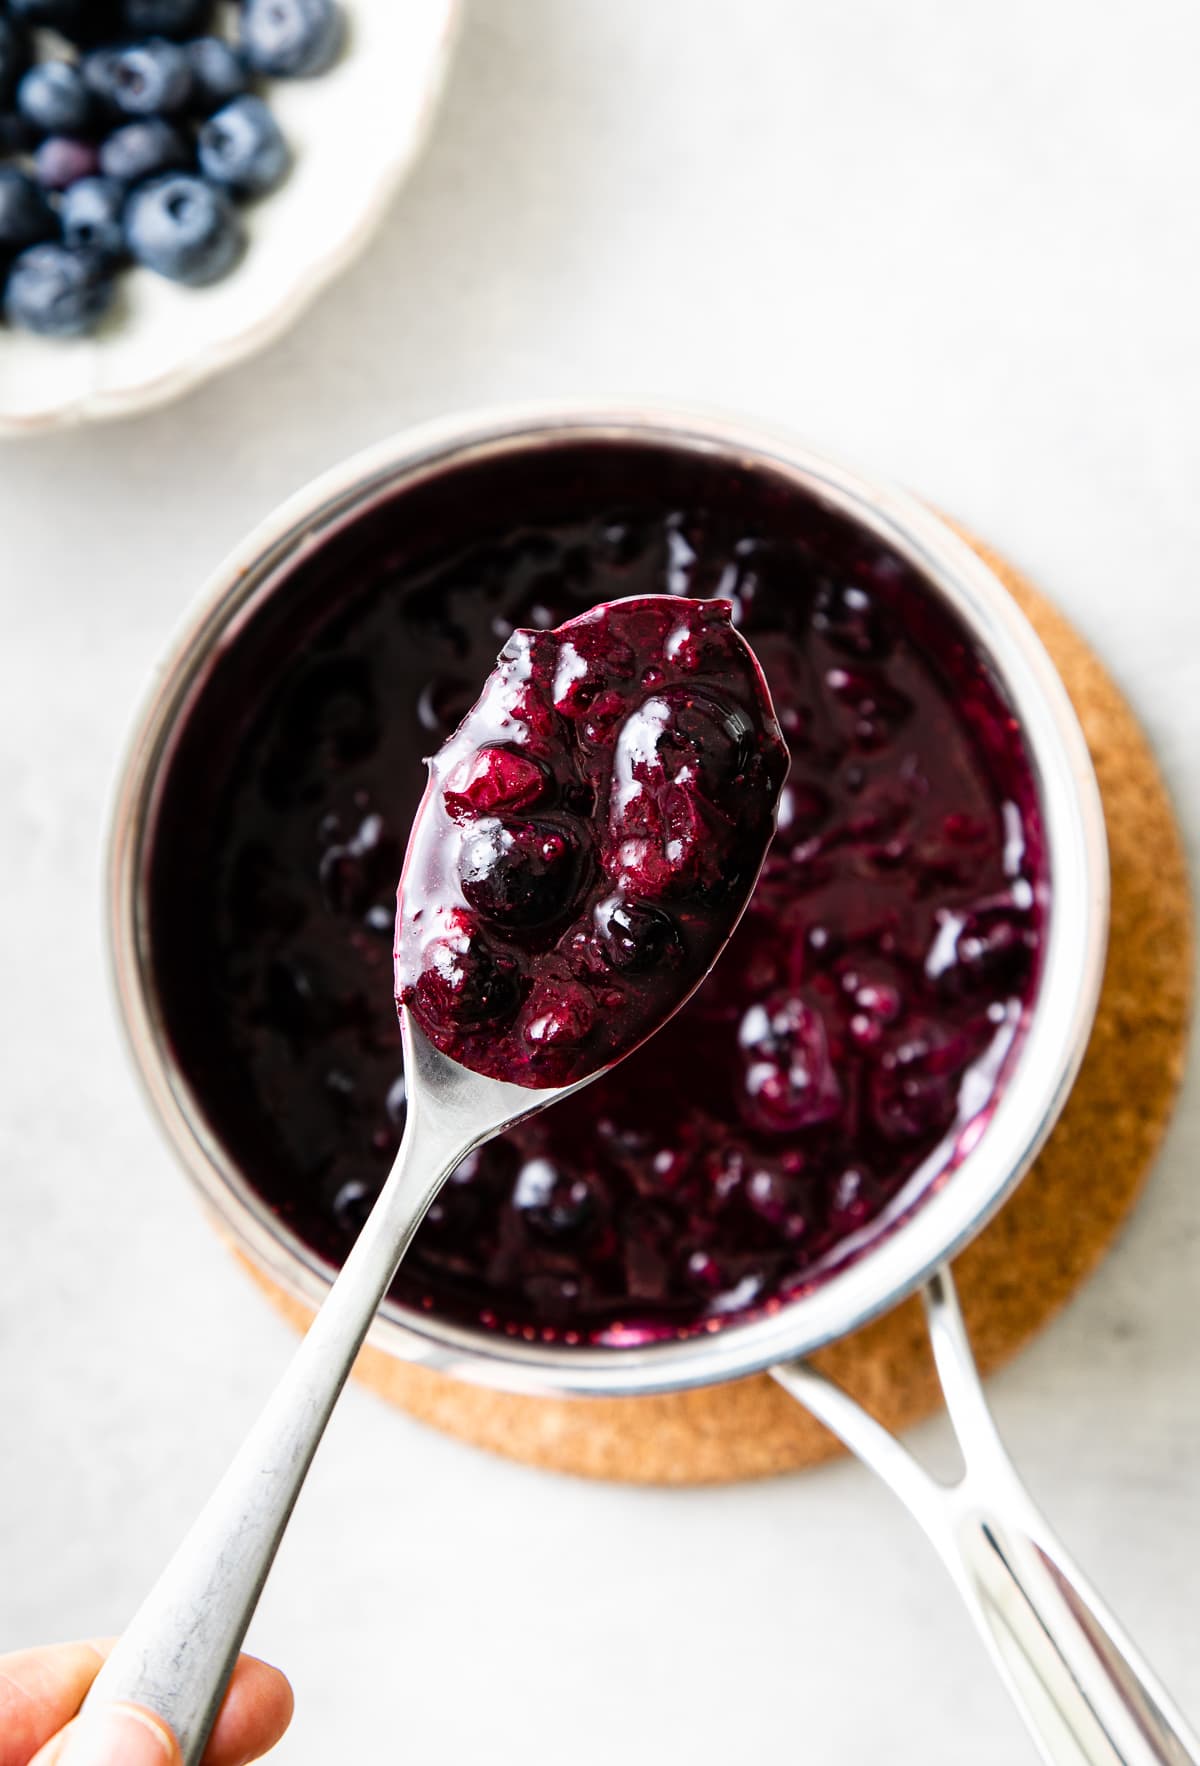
(172, 181)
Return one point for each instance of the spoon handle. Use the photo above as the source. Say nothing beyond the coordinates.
(1087, 1696)
(178, 1652)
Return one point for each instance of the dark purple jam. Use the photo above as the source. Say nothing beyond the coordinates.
(588, 840)
(824, 1075)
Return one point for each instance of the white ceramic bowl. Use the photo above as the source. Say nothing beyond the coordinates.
(354, 132)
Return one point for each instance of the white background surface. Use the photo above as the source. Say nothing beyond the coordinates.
(954, 243)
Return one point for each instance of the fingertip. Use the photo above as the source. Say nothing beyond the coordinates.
(257, 1710)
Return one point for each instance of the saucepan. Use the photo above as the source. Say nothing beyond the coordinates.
(1085, 1692)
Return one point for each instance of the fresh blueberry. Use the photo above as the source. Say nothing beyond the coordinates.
(291, 38)
(242, 147)
(184, 228)
(53, 97)
(26, 218)
(98, 68)
(90, 214)
(148, 79)
(61, 161)
(165, 18)
(57, 292)
(14, 56)
(144, 150)
(218, 72)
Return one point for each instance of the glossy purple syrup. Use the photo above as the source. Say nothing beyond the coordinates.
(589, 837)
(824, 1071)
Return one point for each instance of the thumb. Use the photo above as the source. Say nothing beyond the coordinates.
(116, 1735)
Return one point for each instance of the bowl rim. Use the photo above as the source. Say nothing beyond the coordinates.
(1059, 1021)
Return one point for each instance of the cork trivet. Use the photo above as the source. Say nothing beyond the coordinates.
(1022, 1268)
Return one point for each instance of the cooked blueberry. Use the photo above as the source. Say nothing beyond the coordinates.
(788, 1077)
(149, 79)
(465, 985)
(915, 1086)
(61, 161)
(352, 1202)
(218, 72)
(144, 150)
(492, 779)
(873, 707)
(52, 96)
(184, 228)
(292, 38)
(851, 620)
(90, 214)
(165, 18)
(57, 292)
(355, 870)
(243, 148)
(636, 937)
(517, 873)
(559, 1015)
(552, 1202)
(26, 218)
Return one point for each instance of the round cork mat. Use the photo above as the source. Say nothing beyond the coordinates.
(1017, 1274)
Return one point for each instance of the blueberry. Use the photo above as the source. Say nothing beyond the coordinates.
(242, 148)
(14, 56)
(218, 72)
(61, 161)
(551, 1201)
(165, 18)
(517, 873)
(789, 1081)
(26, 218)
(184, 228)
(98, 68)
(144, 150)
(53, 97)
(90, 213)
(913, 1091)
(464, 984)
(148, 79)
(292, 38)
(636, 938)
(558, 1015)
(57, 292)
(492, 778)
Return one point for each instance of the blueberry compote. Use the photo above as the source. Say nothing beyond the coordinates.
(588, 839)
(851, 1037)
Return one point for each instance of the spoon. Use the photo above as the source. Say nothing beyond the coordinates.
(649, 772)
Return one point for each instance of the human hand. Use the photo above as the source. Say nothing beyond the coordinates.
(41, 1691)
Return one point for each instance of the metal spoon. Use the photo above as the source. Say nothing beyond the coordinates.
(178, 1652)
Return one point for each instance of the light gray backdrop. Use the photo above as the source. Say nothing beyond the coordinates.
(956, 244)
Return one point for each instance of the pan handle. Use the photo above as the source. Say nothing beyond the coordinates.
(1085, 1693)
